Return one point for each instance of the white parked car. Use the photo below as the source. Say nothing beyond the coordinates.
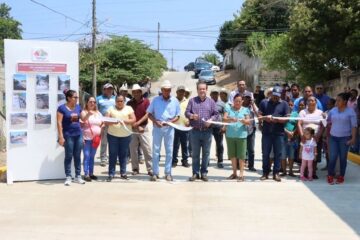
(215, 68)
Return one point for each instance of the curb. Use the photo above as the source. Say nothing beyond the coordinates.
(355, 158)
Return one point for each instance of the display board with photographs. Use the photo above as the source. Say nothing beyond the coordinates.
(63, 82)
(42, 82)
(42, 101)
(18, 120)
(18, 137)
(61, 99)
(19, 81)
(43, 118)
(19, 101)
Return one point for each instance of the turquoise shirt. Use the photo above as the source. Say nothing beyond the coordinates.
(291, 124)
(237, 130)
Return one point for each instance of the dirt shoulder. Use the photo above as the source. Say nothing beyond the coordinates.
(227, 79)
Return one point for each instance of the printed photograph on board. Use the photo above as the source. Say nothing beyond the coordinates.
(19, 101)
(63, 82)
(42, 118)
(42, 82)
(61, 99)
(18, 138)
(42, 101)
(18, 120)
(19, 81)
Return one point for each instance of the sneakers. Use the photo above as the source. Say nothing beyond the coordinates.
(252, 169)
(340, 180)
(330, 180)
(93, 177)
(169, 178)
(150, 173)
(109, 179)
(276, 177)
(79, 180)
(68, 181)
(220, 165)
(135, 172)
(194, 177)
(204, 177)
(124, 177)
(154, 178)
(185, 164)
(87, 178)
(264, 177)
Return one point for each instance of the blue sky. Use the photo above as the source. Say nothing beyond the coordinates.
(198, 20)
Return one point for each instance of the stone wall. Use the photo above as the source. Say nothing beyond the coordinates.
(251, 69)
(348, 79)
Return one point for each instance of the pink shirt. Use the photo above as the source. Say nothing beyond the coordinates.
(95, 122)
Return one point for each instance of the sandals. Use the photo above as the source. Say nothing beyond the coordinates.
(241, 179)
(232, 177)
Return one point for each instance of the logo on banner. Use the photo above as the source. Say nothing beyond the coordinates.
(40, 54)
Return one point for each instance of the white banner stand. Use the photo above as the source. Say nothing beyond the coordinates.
(36, 72)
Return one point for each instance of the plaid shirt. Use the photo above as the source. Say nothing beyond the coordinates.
(206, 109)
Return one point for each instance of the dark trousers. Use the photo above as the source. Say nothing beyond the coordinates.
(251, 149)
(181, 138)
(219, 137)
(268, 142)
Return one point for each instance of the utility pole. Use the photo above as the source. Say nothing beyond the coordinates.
(172, 59)
(158, 38)
(94, 47)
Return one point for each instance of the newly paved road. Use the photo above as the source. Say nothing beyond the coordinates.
(219, 209)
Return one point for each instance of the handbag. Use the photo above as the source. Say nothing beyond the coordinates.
(96, 139)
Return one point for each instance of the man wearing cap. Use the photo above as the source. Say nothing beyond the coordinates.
(163, 109)
(104, 102)
(140, 105)
(181, 137)
(224, 96)
(200, 109)
(218, 130)
(187, 93)
(272, 131)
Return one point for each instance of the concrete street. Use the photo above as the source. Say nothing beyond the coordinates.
(218, 209)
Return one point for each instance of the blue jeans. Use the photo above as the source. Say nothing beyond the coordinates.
(219, 137)
(89, 155)
(118, 149)
(250, 149)
(73, 146)
(166, 133)
(200, 140)
(181, 137)
(269, 142)
(338, 149)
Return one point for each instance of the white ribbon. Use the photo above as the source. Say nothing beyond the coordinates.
(178, 127)
(315, 119)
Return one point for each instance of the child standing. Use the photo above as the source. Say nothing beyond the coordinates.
(308, 153)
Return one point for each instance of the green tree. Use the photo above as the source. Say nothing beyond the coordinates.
(211, 58)
(121, 60)
(324, 38)
(9, 27)
(227, 38)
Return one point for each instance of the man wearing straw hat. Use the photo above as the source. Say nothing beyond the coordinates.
(163, 109)
(140, 105)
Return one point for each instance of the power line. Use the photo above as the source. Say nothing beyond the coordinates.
(57, 12)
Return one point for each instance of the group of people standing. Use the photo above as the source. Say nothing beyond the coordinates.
(294, 128)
